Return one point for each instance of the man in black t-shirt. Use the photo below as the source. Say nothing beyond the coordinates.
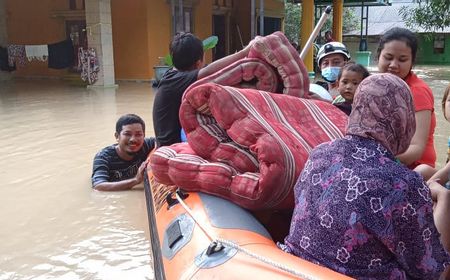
(121, 166)
(187, 56)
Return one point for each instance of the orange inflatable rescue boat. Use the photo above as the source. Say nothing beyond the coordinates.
(199, 236)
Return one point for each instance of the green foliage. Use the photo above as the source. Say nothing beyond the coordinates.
(292, 21)
(208, 43)
(430, 15)
(293, 18)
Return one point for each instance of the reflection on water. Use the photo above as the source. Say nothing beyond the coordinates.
(54, 226)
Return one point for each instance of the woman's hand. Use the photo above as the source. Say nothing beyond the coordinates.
(437, 190)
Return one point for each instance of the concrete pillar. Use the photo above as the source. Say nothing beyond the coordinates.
(307, 22)
(99, 34)
(338, 12)
(3, 37)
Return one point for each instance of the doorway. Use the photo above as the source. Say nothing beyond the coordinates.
(76, 31)
(219, 30)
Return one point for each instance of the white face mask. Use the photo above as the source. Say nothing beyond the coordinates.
(330, 74)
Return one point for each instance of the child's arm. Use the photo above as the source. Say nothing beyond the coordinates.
(441, 176)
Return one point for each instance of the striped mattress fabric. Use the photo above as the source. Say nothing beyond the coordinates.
(276, 50)
(246, 145)
(244, 73)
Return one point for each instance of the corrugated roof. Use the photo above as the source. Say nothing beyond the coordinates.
(383, 18)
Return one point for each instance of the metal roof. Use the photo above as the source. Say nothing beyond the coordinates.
(354, 3)
(383, 18)
(346, 2)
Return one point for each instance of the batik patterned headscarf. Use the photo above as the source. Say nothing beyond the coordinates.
(383, 110)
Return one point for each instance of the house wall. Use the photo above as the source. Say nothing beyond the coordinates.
(203, 23)
(352, 44)
(142, 31)
(241, 12)
(34, 23)
(272, 8)
(130, 31)
(426, 54)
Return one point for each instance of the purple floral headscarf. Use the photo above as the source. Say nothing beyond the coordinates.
(383, 110)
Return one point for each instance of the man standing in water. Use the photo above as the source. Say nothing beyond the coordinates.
(121, 166)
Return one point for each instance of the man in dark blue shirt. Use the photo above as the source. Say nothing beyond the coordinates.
(121, 166)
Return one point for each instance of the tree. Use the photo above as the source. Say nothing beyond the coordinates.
(429, 14)
(292, 21)
(293, 18)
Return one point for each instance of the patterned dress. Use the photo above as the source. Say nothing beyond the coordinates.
(361, 213)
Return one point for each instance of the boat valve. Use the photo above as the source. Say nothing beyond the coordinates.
(171, 201)
(214, 247)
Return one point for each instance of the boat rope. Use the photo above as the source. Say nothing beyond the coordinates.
(180, 200)
(265, 260)
(239, 248)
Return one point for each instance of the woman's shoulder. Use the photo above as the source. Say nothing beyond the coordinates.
(423, 96)
(417, 84)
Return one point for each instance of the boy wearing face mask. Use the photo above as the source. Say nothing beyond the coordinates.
(331, 57)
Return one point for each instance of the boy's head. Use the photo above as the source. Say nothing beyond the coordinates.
(129, 119)
(186, 51)
(349, 78)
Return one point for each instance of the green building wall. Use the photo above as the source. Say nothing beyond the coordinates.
(426, 53)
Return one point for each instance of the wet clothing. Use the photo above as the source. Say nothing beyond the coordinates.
(109, 167)
(424, 100)
(16, 55)
(61, 55)
(4, 61)
(358, 211)
(166, 106)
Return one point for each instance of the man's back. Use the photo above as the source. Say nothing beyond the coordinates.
(167, 105)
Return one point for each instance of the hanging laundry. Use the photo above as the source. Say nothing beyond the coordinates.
(16, 55)
(60, 55)
(4, 64)
(88, 64)
(36, 52)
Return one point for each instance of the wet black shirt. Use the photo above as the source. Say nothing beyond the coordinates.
(167, 104)
(109, 167)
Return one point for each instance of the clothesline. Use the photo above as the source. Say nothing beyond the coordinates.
(59, 55)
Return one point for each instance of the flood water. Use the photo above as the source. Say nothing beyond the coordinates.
(53, 225)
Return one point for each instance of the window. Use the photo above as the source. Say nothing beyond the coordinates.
(181, 18)
(271, 24)
(183, 23)
(439, 43)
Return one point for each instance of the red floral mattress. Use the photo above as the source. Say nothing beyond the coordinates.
(245, 145)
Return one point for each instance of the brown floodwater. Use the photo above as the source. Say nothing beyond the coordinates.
(53, 225)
